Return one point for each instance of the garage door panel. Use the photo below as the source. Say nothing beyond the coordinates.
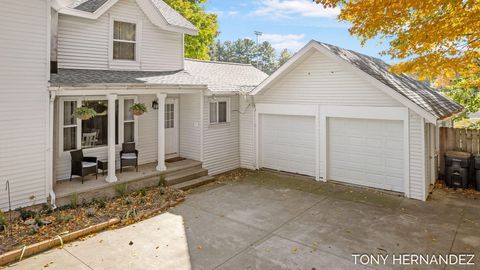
(288, 143)
(366, 152)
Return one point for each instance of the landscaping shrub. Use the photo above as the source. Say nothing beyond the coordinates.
(74, 200)
(162, 181)
(121, 189)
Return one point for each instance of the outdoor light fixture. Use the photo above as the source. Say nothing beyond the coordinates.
(155, 104)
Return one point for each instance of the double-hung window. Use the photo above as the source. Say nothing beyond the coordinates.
(124, 40)
(219, 111)
(128, 121)
(70, 125)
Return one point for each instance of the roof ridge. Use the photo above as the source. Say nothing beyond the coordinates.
(355, 52)
(219, 62)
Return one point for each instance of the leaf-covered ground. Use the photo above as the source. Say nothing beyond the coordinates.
(21, 232)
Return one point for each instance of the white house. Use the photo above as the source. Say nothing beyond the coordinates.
(328, 113)
(336, 114)
(110, 54)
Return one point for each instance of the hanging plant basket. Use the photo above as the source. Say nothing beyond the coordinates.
(138, 109)
(84, 113)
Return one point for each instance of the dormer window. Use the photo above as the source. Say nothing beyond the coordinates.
(124, 41)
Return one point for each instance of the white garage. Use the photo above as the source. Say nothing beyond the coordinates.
(288, 143)
(339, 115)
(366, 152)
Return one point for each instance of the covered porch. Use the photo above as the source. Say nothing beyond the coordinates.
(158, 134)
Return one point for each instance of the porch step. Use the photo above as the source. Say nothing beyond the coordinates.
(185, 175)
(194, 183)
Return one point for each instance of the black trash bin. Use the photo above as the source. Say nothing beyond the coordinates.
(476, 165)
(457, 168)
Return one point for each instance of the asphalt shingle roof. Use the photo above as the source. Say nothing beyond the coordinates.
(233, 76)
(217, 76)
(171, 16)
(88, 5)
(79, 77)
(418, 92)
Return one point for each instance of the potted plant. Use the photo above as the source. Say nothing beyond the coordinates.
(138, 108)
(84, 113)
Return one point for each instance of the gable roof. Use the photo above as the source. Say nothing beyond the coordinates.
(405, 88)
(160, 13)
(215, 76)
(226, 75)
(88, 5)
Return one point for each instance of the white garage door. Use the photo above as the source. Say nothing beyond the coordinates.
(287, 143)
(366, 152)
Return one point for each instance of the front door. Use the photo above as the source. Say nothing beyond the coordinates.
(171, 126)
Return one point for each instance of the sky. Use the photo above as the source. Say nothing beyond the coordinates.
(287, 24)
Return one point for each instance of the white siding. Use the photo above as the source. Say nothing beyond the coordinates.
(320, 80)
(84, 43)
(247, 135)
(190, 126)
(221, 141)
(417, 179)
(147, 132)
(24, 101)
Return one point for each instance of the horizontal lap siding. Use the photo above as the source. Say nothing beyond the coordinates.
(84, 43)
(417, 179)
(189, 120)
(247, 135)
(24, 102)
(320, 80)
(221, 151)
(147, 132)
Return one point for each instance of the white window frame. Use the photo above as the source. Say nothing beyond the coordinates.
(121, 119)
(61, 125)
(79, 101)
(119, 63)
(217, 100)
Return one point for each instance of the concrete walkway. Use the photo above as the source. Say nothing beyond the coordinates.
(274, 221)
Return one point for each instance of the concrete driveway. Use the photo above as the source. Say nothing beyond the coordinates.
(277, 221)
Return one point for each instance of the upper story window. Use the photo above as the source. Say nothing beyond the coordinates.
(124, 40)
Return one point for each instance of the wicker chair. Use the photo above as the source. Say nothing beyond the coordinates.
(83, 166)
(128, 156)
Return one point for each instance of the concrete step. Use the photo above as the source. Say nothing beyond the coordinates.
(184, 165)
(185, 175)
(194, 183)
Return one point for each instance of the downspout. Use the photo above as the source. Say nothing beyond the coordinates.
(51, 112)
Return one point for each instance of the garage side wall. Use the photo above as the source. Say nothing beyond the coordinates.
(417, 162)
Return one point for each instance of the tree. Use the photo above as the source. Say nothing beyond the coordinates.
(285, 55)
(246, 51)
(464, 92)
(434, 38)
(197, 47)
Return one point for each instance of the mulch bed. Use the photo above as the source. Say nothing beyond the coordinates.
(130, 208)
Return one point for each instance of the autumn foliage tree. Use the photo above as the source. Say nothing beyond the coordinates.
(197, 47)
(432, 38)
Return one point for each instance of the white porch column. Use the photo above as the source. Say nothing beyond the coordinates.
(161, 132)
(111, 138)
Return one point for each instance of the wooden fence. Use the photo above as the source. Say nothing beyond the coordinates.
(458, 139)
